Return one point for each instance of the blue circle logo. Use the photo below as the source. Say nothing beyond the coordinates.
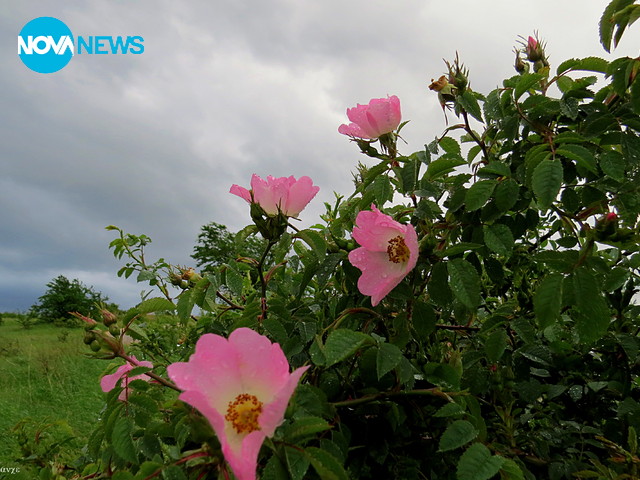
(45, 45)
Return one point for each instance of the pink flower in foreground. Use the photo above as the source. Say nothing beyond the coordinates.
(275, 195)
(242, 386)
(109, 382)
(380, 116)
(388, 253)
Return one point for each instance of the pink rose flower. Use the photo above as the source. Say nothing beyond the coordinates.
(380, 116)
(109, 382)
(242, 386)
(388, 253)
(284, 194)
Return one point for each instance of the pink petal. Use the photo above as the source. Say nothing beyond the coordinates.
(374, 229)
(244, 461)
(241, 192)
(263, 194)
(379, 274)
(353, 130)
(109, 382)
(358, 115)
(301, 192)
(273, 412)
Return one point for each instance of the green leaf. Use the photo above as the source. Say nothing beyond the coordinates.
(122, 441)
(606, 21)
(594, 320)
(449, 410)
(234, 281)
(613, 165)
(173, 472)
(479, 193)
(341, 344)
(185, 305)
(443, 165)
(464, 282)
(325, 464)
(449, 145)
(590, 64)
(438, 286)
(315, 240)
(498, 238)
(477, 463)
(526, 82)
(582, 156)
(547, 300)
(423, 319)
(304, 427)
(506, 194)
(546, 182)
(511, 471)
(156, 304)
(457, 434)
(496, 344)
(469, 102)
(388, 357)
(297, 463)
(382, 189)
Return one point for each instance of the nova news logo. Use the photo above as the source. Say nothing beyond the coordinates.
(46, 45)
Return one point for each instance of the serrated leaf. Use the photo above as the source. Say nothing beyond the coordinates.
(510, 470)
(479, 193)
(443, 165)
(457, 434)
(341, 344)
(498, 238)
(173, 472)
(613, 165)
(526, 82)
(589, 64)
(477, 463)
(464, 282)
(156, 304)
(388, 357)
(234, 281)
(305, 427)
(594, 320)
(469, 102)
(449, 145)
(315, 240)
(325, 464)
(547, 300)
(186, 303)
(423, 319)
(449, 410)
(496, 344)
(122, 441)
(382, 190)
(297, 463)
(582, 156)
(546, 182)
(506, 194)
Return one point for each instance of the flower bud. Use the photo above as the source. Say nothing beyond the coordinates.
(89, 337)
(114, 330)
(108, 317)
(95, 346)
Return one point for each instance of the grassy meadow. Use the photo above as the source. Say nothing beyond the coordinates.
(46, 379)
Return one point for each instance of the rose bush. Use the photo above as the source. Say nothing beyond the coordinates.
(469, 312)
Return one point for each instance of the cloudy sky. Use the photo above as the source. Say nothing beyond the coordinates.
(225, 88)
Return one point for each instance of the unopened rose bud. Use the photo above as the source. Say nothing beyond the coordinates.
(108, 317)
(114, 330)
(88, 337)
(95, 346)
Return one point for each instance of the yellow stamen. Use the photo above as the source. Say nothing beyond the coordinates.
(398, 251)
(243, 413)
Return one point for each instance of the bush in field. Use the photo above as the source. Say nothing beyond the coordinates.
(467, 313)
(64, 296)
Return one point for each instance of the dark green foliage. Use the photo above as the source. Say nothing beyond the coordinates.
(64, 296)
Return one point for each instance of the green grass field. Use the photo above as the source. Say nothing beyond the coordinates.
(46, 378)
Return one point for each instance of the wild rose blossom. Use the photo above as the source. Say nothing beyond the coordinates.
(380, 116)
(109, 382)
(242, 386)
(278, 195)
(388, 252)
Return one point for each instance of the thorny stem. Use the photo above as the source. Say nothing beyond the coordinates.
(156, 377)
(431, 392)
(473, 135)
(263, 283)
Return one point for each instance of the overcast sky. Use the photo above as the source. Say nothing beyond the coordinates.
(225, 88)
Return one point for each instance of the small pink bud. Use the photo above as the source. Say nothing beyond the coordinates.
(611, 216)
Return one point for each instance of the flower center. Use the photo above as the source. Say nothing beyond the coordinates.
(397, 250)
(243, 413)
